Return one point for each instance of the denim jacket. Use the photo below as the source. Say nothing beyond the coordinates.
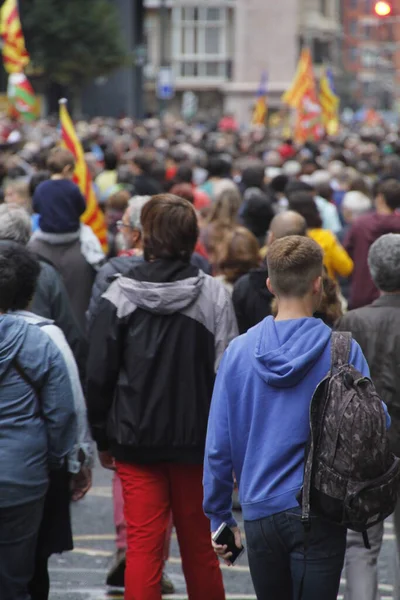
(37, 422)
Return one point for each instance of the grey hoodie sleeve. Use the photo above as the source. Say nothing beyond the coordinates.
(84, 443)
(58, 410)
(226, 328)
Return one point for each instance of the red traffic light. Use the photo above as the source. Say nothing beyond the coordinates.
(383, 8)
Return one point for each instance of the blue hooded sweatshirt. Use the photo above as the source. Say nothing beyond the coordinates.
(259, 419)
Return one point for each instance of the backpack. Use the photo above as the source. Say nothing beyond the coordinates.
(350, 477)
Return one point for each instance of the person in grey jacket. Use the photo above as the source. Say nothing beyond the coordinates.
(50, 299)
(376, 328)
(38, 431)
(55, 534)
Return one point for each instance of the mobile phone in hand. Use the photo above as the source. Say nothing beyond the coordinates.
(224, 536)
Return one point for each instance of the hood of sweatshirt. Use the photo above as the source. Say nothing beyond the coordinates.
(12, 335)
(161, 298)
(285, 351)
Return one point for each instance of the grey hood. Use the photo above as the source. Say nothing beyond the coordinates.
(158, 298)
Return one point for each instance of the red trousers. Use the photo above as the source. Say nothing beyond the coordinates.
(150, 493)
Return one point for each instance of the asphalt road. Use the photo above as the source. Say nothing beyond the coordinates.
(80, 575)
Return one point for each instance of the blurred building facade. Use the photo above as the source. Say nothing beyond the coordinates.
(371, 53)
(218, 49)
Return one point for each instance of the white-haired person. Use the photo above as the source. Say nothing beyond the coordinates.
(354, 205)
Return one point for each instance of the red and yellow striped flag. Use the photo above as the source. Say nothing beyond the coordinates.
(93, 216)
(15, 55)
(303, 80)
(329, 103)
(260, 112)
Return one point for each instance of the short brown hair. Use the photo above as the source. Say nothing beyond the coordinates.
(170, 228)
(330, 309)
(118, 201)
(183, 190)
(294, 262)
(390, 190)
(59, 158)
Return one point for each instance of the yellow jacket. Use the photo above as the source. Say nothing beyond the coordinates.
(336, 259)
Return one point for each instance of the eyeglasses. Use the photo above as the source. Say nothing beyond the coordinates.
(121, 224)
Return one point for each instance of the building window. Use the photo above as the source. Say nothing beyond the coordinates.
(323, 7)
(200, 46)
(353, 55)
(353, 27)
(321, 51)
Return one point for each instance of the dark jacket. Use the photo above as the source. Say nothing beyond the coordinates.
(51, 302)
(146, 186)
(78, 275)
(121, 265)
(362, 234)
(252, 299)
(156, 341)
(377, 329)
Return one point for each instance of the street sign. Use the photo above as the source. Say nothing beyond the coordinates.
(165, 84)
(190, 105)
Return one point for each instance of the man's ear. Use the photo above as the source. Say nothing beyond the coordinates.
(269, 286)
(317, 286)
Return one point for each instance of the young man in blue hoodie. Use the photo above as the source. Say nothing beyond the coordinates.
(259, 427)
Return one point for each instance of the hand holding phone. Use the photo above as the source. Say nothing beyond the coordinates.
(227, 543)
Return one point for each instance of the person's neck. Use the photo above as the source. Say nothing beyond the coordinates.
(57, 177)
(294, 308)
(384, 210)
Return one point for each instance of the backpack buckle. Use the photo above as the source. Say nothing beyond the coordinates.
(306, 522)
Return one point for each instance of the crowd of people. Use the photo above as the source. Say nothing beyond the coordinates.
(189, 352)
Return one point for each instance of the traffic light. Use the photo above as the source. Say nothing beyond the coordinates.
(383, 8)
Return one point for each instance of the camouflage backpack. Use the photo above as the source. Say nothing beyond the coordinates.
(350, 475)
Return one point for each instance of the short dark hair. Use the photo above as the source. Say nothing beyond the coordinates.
(304, 204)
(294, 262)
(218, 167)
(170, 228)
(19, 272)
(184, 174)
(279, 183)
(253, 176)
(390, 190)
(294, 186)
(110, 160)
(143, 161)
(59, 159)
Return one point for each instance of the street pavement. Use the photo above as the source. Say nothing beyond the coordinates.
(80, 575)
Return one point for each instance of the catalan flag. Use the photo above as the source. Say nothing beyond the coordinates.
(261, 107)
(329, 103)
(93, 216)
(23, 102)
(15, 55)
(302, 82)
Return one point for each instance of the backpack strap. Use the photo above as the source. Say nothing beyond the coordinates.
(340, 350)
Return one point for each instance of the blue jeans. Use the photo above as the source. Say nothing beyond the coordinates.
(19, 527)
(278, 565)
